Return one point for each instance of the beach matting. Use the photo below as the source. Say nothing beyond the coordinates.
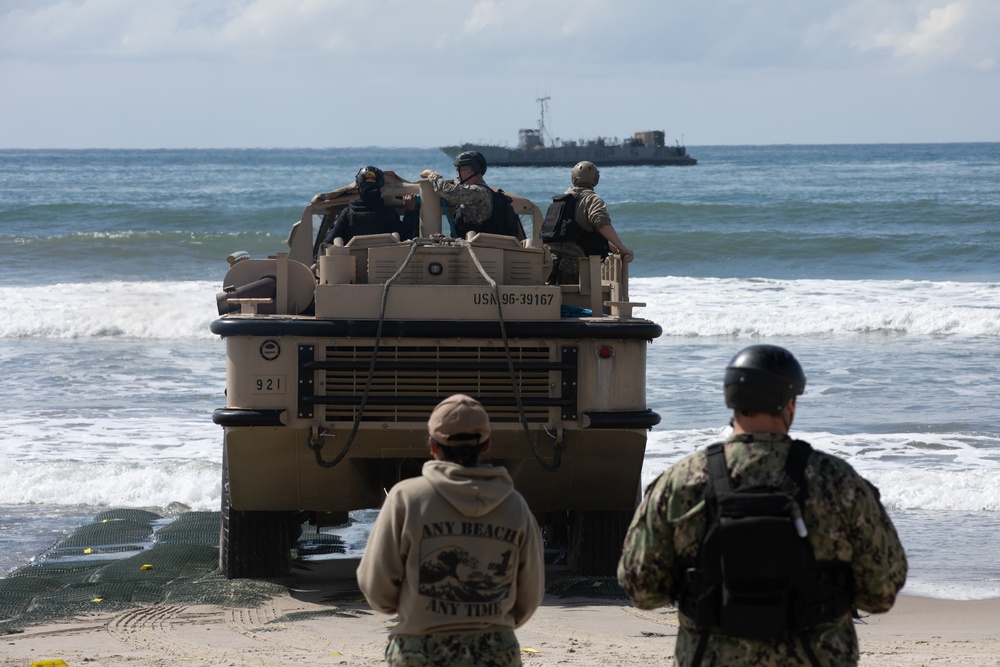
(322, 619)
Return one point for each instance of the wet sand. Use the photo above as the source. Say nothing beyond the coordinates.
(322, 620)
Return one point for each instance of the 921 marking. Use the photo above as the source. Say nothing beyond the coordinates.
(269, 384)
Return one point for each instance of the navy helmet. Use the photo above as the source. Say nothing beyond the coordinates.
(370, 178)
(763, 378)
(472, 159)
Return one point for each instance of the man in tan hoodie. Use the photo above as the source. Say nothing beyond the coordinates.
(455, 553)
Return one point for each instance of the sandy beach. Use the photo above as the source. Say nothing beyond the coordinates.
(322, 620)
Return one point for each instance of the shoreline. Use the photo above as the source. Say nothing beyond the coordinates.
(321, 619)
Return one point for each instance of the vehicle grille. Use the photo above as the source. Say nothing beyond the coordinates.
(410, 380)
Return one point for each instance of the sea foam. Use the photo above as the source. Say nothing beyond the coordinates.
(960, 473)
(690, 307)
(156, 485)
(113, 309)
(699, 307)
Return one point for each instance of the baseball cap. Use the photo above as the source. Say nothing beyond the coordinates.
(459, 420)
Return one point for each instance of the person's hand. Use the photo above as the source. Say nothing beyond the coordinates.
(627, 255)
(426, 173)
(410, 202)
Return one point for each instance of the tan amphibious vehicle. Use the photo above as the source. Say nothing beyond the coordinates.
(336, 355)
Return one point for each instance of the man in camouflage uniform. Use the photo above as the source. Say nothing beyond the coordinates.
(844, 522)
(470, 198)
(456, 553)
(591, 217)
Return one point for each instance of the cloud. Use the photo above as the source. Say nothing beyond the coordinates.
(936, 34)
(483, 15)
(399, 72)
(157, 28)
(930, 34)
(519, 35)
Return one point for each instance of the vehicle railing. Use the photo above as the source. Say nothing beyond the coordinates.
(302, 236)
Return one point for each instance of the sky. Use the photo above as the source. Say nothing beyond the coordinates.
(396, 73)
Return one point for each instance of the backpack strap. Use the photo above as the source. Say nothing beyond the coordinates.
(718, 487)
(568, 211)
(699, 653)
(795, 468)
(718, 474)
(720, 484)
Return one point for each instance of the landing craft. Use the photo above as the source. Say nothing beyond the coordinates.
(646, 148)
(332, 374)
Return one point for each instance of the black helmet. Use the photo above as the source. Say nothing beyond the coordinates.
(370, 178)
(763, 378)
(472, 159)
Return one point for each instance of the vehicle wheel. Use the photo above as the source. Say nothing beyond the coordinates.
(595, 541)
(253, 544)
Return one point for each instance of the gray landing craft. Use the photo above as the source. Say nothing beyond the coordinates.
(332, 374)
(643, 148)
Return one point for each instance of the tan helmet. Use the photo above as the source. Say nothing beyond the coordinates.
(585, 174)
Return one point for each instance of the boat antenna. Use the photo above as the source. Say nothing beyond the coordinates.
(541, 120)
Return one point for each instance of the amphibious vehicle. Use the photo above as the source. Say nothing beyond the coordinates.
(336, 355)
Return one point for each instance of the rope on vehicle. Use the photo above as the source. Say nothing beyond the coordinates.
(558, 447)
(371, 371)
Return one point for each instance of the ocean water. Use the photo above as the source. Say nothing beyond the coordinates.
(877, 265)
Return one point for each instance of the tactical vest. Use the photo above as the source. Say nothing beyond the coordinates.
(503, 219)
(756, 576)
(363, 222)
(560, 226)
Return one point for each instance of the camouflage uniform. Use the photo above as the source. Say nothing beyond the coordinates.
(591, 215)
(477, 199)
(845, 521)
(487, 649)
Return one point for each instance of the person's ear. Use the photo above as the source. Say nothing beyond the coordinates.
(486, 446)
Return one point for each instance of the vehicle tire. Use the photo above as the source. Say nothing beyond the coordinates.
(595, 541)
(253, 544)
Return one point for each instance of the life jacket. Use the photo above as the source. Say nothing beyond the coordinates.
(503, 219)
(560, 226)
(756, 575)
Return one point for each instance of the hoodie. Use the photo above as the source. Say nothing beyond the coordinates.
(454, 551)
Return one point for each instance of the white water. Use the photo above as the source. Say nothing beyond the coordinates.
(110, 387)
(689, 307)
